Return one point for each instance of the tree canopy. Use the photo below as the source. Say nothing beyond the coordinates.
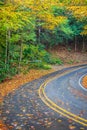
(24, 23)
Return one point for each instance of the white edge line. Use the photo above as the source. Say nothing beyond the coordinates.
(80, 82)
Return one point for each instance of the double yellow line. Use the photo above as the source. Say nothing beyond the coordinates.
(57, 108)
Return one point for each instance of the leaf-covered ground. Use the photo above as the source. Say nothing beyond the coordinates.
(11, 84)
(84, 81)
(68, 55)
(68, 58)
(24, 110)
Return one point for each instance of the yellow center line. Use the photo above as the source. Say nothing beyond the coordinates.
(57, 108)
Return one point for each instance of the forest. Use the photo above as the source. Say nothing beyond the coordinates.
(28, 28)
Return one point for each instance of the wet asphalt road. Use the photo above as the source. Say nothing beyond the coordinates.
(24, 110)
(67, 93)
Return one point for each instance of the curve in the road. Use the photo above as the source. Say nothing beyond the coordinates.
(80, 82)
(44, 93)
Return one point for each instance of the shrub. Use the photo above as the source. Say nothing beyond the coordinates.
(6, 71)
(56, 61)
(36, 55)
(40, 65)
(71, 61)
(2, 71)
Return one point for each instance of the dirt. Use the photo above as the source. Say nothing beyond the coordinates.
(69, 56)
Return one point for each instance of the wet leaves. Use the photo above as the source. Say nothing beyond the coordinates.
(10, 85)
(24, 110)
(59, 121)
(72, 127)
(84, 81)
(2, 126)
(32, 128)
(81, 128)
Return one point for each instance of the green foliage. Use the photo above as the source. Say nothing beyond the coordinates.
(2, 71)
(58, 35)
(54, 60)
(35, 56)
(39, 65)
(59, 11)
(25, 27)
(69, 49)
(70, 61)
(6, 71)
(35, 53)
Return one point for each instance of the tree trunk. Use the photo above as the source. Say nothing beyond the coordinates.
(6, 50)
(20, 58)
(75, 44)
(39, 30)
(83, 45)
(9, 36)
(66, 43)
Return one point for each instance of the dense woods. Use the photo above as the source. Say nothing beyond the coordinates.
(29, 27)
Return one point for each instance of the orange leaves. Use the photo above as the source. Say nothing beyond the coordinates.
(84, 82)
(10, 85)
(2, 126)
(72, 127)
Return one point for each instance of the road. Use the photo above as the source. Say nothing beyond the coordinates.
(54, 102)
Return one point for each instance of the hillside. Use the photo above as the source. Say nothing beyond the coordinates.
(69, 56)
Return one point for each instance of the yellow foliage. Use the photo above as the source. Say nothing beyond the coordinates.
(75, 2)
(41, 9)
(12, 19)
(52, 22)
(79, 11)
(84, 32)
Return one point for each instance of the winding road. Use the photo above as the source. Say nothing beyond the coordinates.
(57, 101)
